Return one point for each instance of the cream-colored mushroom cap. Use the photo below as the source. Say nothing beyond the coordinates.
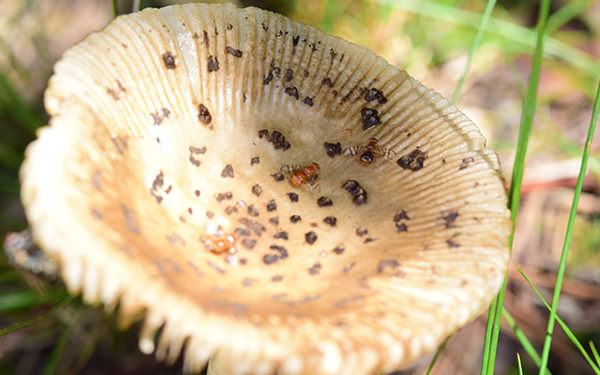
(176, 178)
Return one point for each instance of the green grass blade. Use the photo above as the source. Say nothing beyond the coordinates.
(482, 26)
(19, 300)
(519, 363)
(488, 336)
(595, 353)
(19, 109)
(563, 325)
(61, 344)
(567, 13)
(115, 4)
(514, 194)
(508, 30)
(523, 339)
(565, 251)
(437, 355)
(29, 322)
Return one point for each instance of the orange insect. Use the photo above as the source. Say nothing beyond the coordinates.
(222, 245)
(303, 175)
(369, 152)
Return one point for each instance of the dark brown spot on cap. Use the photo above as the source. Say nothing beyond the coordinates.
(278, 177)
(157, 184)
(339, 249)
(386, 263)
(413, 161)
(295, 40)
(255, 160)
(324, 202)
(400, 215)
(130, 220)
(333, 149)
(295, 218)
(292, 91)
(310, 237)
(308, 101)
(206, 40)
(328, 82)
(451, 243)
(401, 228)
(120, 143)
(268, 78)
(253, 225)
(197, 192)
(293, 197)
(281, 235)
(271, 206)
(314, 270)
(196, 151)
(227, 171)
(276, 138)
(242, 231)
(271, 258)
(204, 115)
(257, 190)
(248, 243)
(224, 196)
(374, 94)
(370, 118)
(274, 220)
(449, 217)
(99, 215)
(289, 75)
(169, 60)
(331, 220)
(466, 162)
(212, 64)
(252, 210)
(362, 231)
(276, 278)
(233, 51)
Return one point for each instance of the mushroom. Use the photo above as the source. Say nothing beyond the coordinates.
(163, 184)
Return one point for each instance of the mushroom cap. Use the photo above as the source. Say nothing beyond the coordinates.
(163, 185)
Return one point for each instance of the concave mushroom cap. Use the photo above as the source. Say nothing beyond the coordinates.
(169, 131)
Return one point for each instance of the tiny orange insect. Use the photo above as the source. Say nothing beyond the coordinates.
(222, 245)
(369, 152)
(303, 175)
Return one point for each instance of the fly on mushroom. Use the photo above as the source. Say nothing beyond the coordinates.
(369, 152)
(303, 175)
(219, 246)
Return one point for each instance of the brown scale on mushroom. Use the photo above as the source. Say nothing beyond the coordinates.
(253, 92)
(169, 60)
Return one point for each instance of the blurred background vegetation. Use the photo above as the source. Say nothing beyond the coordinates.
(431, 40)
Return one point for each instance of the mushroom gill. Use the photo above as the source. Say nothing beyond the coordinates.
(266, 191)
